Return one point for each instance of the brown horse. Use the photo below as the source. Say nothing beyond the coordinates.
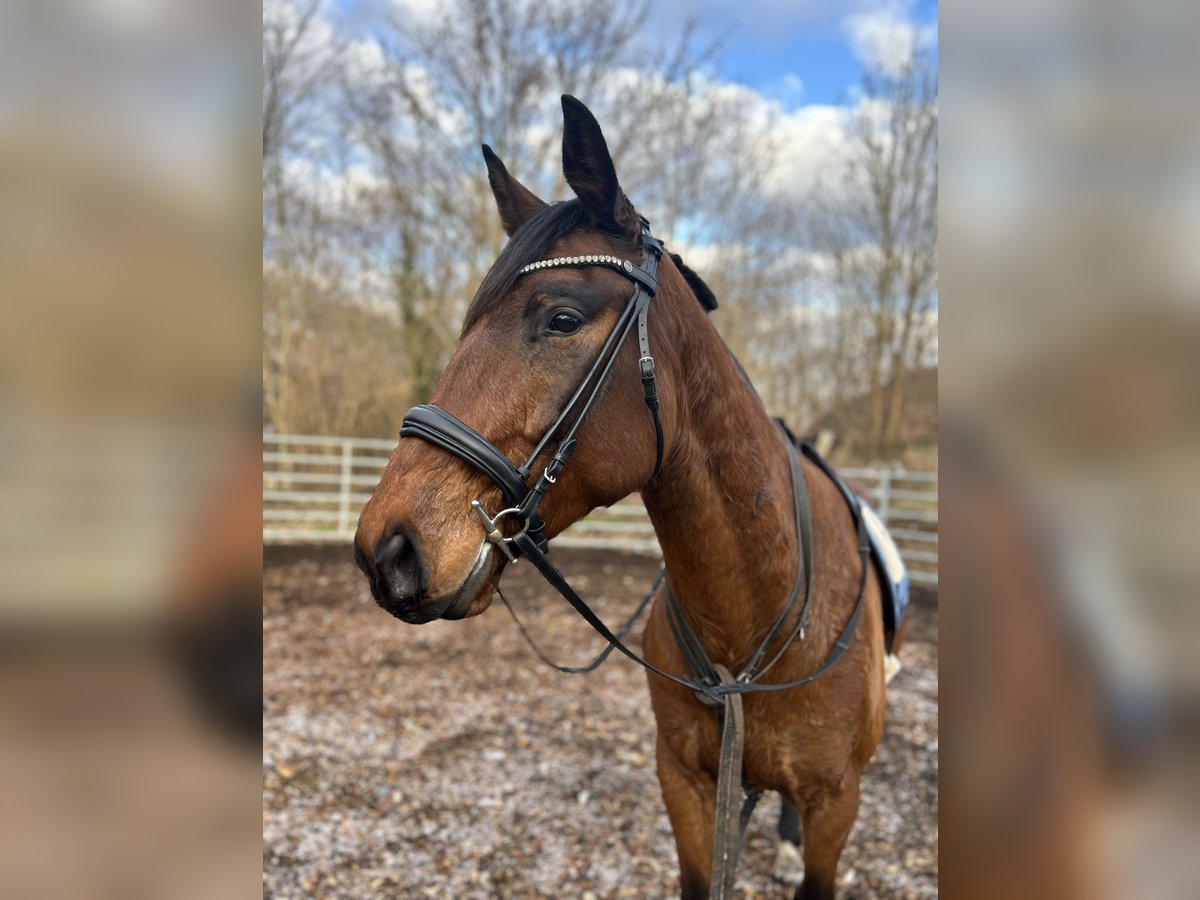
(721, 505)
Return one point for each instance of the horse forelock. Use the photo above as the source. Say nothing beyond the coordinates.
(528, 244)
(532, 241)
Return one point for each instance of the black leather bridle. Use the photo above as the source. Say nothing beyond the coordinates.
(438, 427)
(712, 683)
(435, 425)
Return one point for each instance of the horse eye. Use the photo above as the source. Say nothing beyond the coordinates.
(565, 323)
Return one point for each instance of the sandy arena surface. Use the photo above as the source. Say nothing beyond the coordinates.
(446, 761)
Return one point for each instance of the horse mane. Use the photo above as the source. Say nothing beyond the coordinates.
(532, 241)
(704, 294)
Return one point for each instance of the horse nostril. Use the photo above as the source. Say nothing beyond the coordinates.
(398, 562)
(389, 549)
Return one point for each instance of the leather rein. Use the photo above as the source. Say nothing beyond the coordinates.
(712, 683)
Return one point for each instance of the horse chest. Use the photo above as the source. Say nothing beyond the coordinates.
(781, 751)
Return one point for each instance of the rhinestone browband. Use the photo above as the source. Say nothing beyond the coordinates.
(613, 261)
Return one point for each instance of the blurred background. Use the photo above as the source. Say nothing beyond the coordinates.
(759, 139)
(129, 419)
(1070, 220)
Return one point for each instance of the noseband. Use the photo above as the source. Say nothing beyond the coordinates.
(440, 428)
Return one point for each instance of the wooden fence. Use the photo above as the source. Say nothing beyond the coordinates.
(315, 487)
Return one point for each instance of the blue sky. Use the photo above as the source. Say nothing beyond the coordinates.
(819, 55)
(797, 52)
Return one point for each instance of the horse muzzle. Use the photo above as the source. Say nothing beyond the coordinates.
(400, 581)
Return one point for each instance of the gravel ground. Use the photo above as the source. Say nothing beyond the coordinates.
(446, 761)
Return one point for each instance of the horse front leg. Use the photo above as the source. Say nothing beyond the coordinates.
(691, 797)
(827, 823)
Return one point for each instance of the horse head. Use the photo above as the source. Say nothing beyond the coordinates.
(534, 336)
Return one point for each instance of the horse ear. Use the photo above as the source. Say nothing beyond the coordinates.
(589, 171)
(515, 201)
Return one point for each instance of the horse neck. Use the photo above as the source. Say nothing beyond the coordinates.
(722, 507)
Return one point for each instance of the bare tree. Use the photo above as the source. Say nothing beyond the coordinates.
(324, 343)
(299, 57)
(877, 224)
(491, 71)
(400, 248)
(331, 363)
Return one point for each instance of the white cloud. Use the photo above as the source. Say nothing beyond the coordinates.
(810, 142)
(886, 35)
(334, 191)
(424, 12)
(813, 142)
(285, 16)
(365, 63)
(811, 139)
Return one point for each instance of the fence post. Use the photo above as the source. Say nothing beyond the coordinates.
(344, 504)
(883, 496)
